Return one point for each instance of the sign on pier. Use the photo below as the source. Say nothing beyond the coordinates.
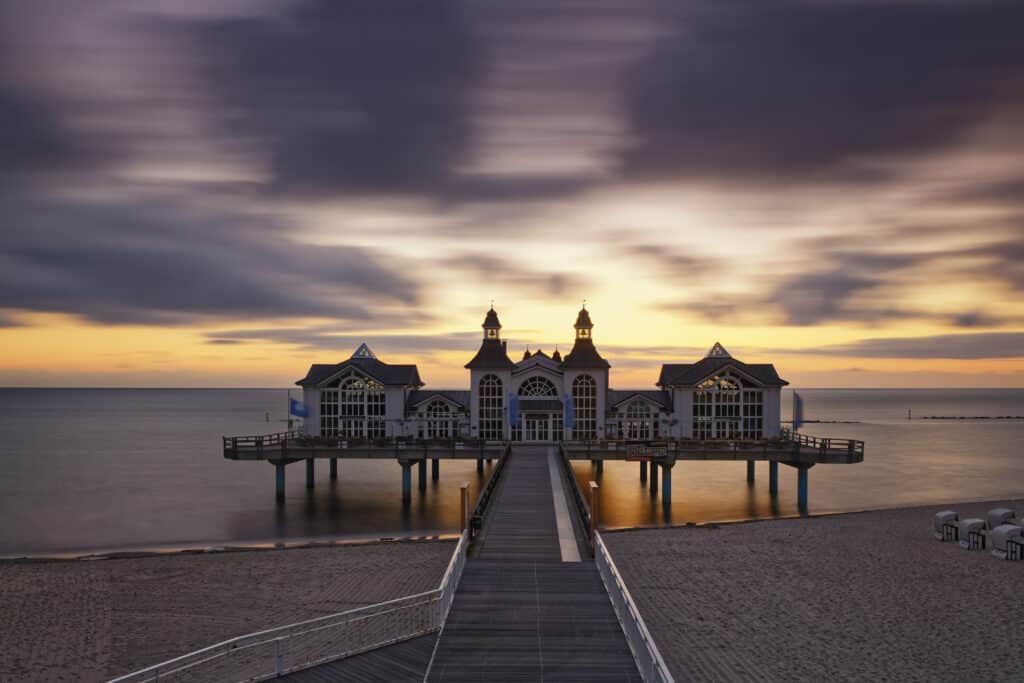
(645, 452)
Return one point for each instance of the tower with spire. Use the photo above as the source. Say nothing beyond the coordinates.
(492, 363)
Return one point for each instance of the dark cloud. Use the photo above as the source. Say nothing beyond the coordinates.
(327, 338)
(487, 268)
(748, 89)
(947, 346)
(350, 97)
(165, 263)
(670, 262)
(32, 136)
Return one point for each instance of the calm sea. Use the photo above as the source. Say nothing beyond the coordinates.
(102, 469)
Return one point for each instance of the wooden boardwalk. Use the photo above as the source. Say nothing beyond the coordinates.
(521, 614)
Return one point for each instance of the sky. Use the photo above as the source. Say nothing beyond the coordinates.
(220, 194)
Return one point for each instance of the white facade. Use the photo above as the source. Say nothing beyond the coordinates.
(717, 397)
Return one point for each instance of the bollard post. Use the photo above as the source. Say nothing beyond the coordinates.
(595, 510)
(464, 506)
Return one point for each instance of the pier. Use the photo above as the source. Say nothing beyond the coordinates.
(656, 459)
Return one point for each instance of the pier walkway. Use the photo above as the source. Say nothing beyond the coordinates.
(527, 609)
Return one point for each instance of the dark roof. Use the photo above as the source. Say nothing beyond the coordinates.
(392, 375)
(556, 356)
(662, 398)
(584, 355)
(491, 319)
(423, 395)
(678, 374)
(491, 356)
(583, 319)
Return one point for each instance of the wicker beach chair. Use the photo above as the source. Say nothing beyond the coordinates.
(997, 517)
(944, 525)
(1008, 542)
(972, 534)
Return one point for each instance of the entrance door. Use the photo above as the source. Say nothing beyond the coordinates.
(538, 428)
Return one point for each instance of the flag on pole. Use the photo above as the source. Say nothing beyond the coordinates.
(569, 413)
(798, 411)
(297, 408)
(513, 410)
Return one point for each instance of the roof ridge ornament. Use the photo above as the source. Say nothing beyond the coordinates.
(718, 351)
(364, 352)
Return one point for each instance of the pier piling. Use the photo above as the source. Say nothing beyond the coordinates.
(643, 471)
(310, 473)
(598, 466)
(423, 474)
(666, 482)
(773, 478)
(479, 465)
(801, 486)
(654, 478)
(750, 471)
(406, 480)
(334, 469)
(280, 482)
(435, 469)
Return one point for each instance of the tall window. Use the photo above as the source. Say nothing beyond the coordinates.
(638, 425)
(584, 399)
(538, 386)
(436, 420)
(492, 408)
(724, 408)
(359, 408)
(329, 412)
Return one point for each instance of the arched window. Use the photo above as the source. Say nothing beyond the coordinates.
(584, 399)
(638, 421)
(436, 420)
(727, 407)
(492, 408)
(354, 409)
(538, 386)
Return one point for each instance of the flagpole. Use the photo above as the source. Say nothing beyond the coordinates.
(289, 413)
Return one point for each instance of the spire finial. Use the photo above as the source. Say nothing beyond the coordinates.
(492, 304)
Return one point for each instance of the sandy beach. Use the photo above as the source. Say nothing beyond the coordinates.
(90, 620)
(851, 597)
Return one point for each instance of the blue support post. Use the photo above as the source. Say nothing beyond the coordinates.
(334, 469)
(773, 478)
(643, 471)
(310, 473)
(750, 471)
(801, 486)
(280, 482)
(666, 483)
(435, 469)
(406, 481)
(423, 474)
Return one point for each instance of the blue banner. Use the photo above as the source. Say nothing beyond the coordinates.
(513, 410)
(569, 413)
(798, 411)
(298, 408)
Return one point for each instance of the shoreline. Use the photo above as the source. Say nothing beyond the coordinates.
(814, 515)
(261, 545)
(221, 547)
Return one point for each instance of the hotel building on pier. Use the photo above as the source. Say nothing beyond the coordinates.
(542, 398)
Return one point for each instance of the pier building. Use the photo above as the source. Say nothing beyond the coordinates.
(543, 398)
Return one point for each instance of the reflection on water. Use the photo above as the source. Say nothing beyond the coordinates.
(915, 463)
(87, 469)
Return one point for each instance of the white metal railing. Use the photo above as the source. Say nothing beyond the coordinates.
(648, 659)
(277, 651)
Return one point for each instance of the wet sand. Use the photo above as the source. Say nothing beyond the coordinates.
(850, 597)
(91, 620)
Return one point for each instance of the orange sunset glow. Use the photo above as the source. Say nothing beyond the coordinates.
(219, 197)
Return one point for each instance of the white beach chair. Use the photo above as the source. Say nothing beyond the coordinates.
(972, 534)
(1008, 542)
(998, 516)
(944, 526)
